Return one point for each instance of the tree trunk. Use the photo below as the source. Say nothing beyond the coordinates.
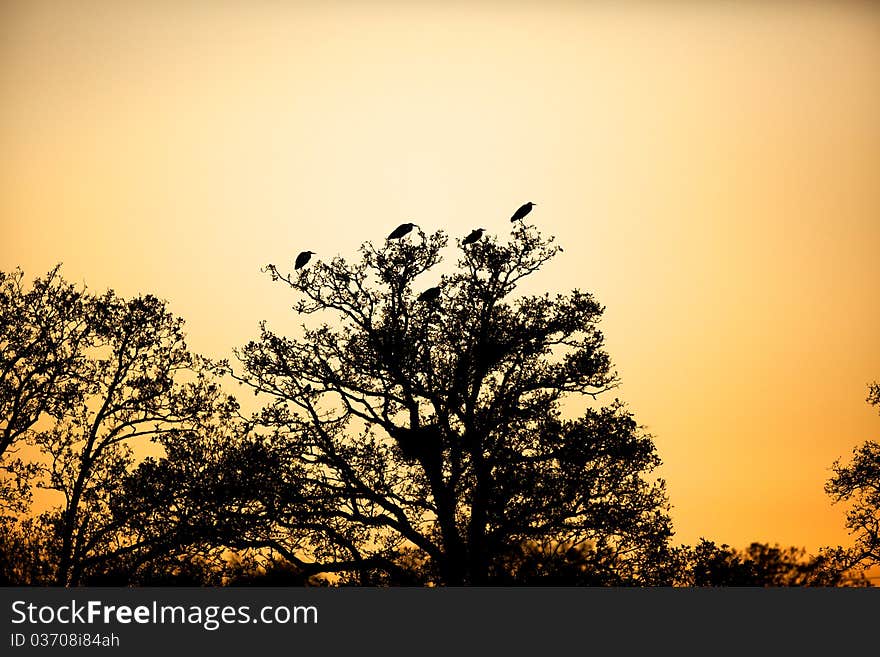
(69, 525)
(478, 561)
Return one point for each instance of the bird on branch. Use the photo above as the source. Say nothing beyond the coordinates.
(523, 210)
(431, 294)
(473, 236)
(401, 230)
(302, 259)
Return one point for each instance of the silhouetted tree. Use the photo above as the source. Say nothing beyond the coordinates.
(43, 334)
(207, 494)
(142, 384)
(439, 429)
(858, 483)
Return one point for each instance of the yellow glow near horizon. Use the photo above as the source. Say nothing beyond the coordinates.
(712, 172)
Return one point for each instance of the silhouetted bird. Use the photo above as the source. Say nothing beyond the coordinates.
(522, 211)
(302, 259)
(431, 294)
(473, 237)
(401, 230)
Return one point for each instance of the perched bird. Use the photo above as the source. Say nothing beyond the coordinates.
(401, 230)
(302, 259)
(473, 237)
(431, 294)
(522, 211)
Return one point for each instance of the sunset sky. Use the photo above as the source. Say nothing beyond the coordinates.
(711, 169)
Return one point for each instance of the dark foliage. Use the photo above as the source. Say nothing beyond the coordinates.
(708, 564)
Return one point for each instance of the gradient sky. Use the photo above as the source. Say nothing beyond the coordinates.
(712, 170)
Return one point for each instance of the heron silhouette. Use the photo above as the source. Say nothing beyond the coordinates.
(431, 294)
(302, 259)
(401, 230)
(474, 235)
(522, 211)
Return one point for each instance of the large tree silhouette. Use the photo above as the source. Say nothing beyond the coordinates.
(448, 431)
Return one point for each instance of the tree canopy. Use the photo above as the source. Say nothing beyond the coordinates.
(434, 429)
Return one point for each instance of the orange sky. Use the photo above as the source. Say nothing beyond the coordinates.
(712, 170)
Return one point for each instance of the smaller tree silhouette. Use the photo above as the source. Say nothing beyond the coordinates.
(141, 384)
(44, 331)
(209, 493)
(858, 483)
